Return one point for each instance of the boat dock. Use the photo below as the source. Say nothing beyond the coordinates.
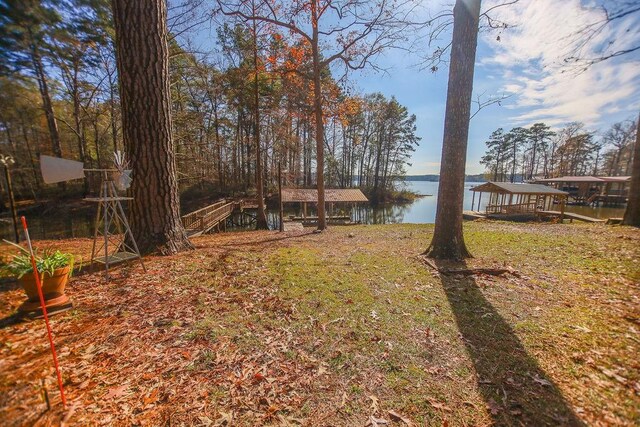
(473, 215)
(570, 216)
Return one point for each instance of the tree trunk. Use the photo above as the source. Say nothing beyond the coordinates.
(317, 106)
(79, 130)
(47, 106)
(448, 240)
(34, 169)
(632, 213)
(143, 67)
(261, 216)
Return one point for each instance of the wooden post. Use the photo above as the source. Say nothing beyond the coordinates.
(304, 211)
(473, 200)
(12, 204)
(562, 201)
(479, 200)
(280, 197)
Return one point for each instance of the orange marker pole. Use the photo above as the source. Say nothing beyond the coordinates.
(44, 312)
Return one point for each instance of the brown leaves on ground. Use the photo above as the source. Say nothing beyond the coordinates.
(229, 334)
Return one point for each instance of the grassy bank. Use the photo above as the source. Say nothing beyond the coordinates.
(333, 329)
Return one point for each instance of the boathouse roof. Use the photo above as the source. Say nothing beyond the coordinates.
(513, 188)
(592, 179)
(331, 195)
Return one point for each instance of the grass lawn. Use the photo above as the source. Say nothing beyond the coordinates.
(345, 328)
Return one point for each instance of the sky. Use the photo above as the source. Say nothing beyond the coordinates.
(526, 63)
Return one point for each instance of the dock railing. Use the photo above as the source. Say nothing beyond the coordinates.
(204, 219)
(529, 207)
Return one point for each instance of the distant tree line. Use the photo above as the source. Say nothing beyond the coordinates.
(59, 96)
(540, 152)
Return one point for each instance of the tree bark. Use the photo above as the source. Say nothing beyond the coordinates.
(47, 106)
(142, 58)
(448, 239)
(261, 216)
(317, 107)
(632, 213)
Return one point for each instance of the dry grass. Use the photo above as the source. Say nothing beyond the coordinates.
(265, 328)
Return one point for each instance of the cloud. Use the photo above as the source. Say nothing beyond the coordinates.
(531, 55)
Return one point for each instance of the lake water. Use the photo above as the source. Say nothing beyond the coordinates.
(421, 211)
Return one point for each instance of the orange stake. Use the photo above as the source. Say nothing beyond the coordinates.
(44, 312)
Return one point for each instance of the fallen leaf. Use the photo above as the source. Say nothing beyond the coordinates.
(115, 392)
(205, 420)
(225, 419)
(493, 407)
(613, 375)
(541, 381)
(438, 405)
(375, 422)
(151, 398)
(397, 417)
(375, 403)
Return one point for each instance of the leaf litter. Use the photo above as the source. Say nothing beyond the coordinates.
(205, 339)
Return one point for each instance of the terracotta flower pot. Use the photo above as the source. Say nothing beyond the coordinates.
(52, 285)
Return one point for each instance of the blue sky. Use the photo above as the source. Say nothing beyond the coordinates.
(527, 63)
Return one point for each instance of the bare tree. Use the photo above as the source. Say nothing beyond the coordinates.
(592, 37)
(591, 44)
(351, 32)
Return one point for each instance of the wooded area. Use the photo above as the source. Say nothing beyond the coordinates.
(59, 95)
(299, 327)
(539, 152)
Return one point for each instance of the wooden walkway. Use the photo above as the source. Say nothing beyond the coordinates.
(214, 216)
(571, 216)
(205, 219)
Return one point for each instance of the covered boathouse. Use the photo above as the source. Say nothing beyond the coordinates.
(513, 200)
(592, 190)
(332, 196)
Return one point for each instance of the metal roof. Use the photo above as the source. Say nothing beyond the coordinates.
(592, 179)
(616, 178)
(331, 195)
(573, 179)
(512, 188)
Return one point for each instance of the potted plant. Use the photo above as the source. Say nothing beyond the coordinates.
(54, 268)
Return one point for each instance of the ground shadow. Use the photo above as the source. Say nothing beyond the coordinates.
(10, 320)
(9, 284)
(515, 388)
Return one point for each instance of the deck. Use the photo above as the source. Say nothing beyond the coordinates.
(473, 215)
(571, 216)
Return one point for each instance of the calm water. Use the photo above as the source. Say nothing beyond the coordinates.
(422, 211)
